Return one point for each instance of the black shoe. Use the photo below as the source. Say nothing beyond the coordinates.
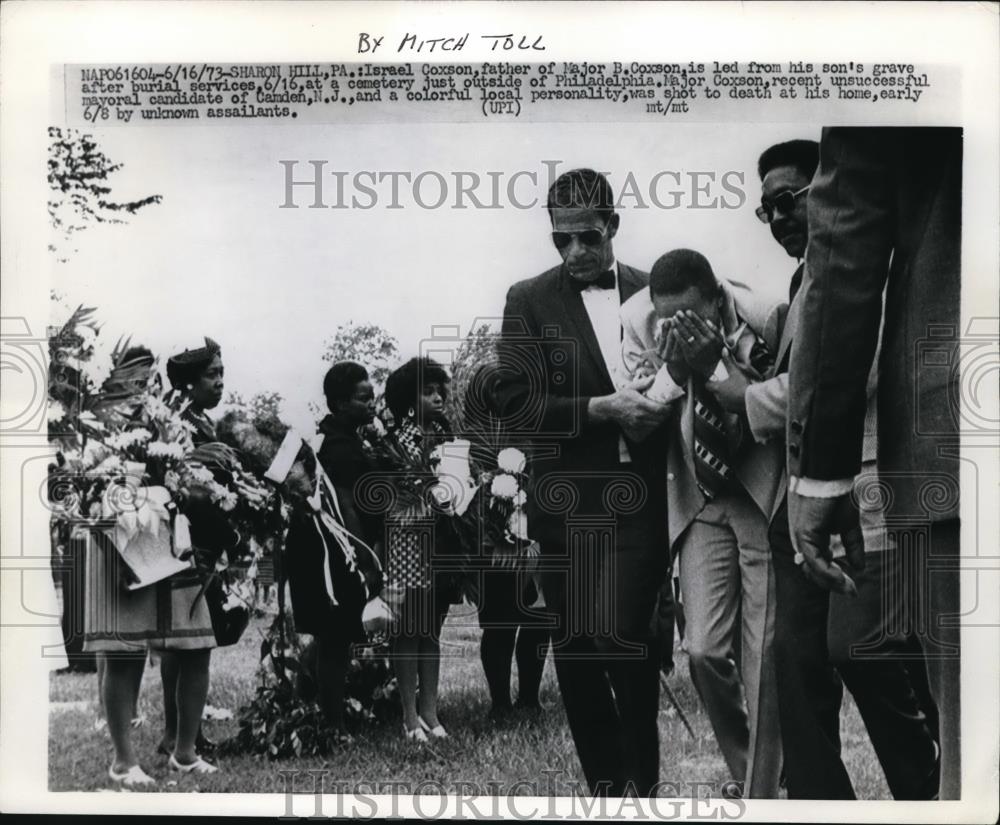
(500, 714)
(732, 790)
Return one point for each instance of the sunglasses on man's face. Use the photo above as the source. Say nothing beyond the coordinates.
(589, 237)
(783, 202)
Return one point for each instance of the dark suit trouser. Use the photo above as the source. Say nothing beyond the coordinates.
(810, 692)
(936, 612)
(602, 589)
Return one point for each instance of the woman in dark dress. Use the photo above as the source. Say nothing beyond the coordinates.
(336, 626)
(510, 630)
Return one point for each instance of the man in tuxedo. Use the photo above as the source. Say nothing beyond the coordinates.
(885, 216)
(692, 329)
(598, 504)
(814, 636)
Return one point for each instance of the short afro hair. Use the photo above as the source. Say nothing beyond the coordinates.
(341, 380)
(404, 385)
(681, 269)
(582, 189)
(802, 154)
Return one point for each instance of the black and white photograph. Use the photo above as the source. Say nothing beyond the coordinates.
(462, 410)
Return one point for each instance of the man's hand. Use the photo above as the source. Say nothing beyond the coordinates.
(811, 522)
(630, 410)
(699, 340)
(731, 393)
(673, 356)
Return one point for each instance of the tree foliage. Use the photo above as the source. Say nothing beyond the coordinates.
(369, 345)
(262, 406)
(79, 194)
(478, 348)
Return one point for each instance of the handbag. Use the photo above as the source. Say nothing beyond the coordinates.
(228, 621)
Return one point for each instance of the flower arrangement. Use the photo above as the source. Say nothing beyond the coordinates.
(503, 521)
(120, 439)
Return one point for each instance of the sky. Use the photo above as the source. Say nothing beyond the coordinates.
(219, 257)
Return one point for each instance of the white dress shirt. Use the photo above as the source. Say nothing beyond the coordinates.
(604, 310)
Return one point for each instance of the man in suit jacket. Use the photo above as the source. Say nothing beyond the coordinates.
(814, 637)
(885, 207)
(719, 535)
(598, 503)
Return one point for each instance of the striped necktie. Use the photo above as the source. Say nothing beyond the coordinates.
(711, 446)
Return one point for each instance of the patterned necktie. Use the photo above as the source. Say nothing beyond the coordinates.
(711, 445)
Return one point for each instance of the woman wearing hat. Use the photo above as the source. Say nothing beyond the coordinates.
(186, 640)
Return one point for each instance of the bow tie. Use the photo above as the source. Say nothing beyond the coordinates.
(606, 280)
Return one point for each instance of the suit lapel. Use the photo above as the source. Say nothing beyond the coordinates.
(628, 282)
(577, 314)
(788, 331)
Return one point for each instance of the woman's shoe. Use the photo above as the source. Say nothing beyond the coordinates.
(438, 731)
(198, 766)
(417, 734)
(132, 778)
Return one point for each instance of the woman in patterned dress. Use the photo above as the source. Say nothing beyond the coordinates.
(165, 616)
(117, 621)
(186, 639)
(415, 395)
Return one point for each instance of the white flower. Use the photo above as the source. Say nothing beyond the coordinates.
(511, 460)
(94, 453)
(520, 499)
(504, 486)
(55, 412)
(160, 449)
(129, 438)
(96, 371)
(171, 480)
(111, 465)
(517, 524)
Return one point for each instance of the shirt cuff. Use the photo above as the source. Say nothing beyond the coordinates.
(815, 488)
(720, 373)
(664, 389)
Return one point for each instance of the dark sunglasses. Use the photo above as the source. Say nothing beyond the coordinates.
(783, 202)
(589, 237)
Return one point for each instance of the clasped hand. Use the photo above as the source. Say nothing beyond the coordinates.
(637, 415)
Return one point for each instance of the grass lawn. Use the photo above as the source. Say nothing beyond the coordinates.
(477, 752)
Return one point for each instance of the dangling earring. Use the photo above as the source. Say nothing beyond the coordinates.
(412, 413)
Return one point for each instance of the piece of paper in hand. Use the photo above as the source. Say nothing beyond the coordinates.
(284, 458)
(455, 474)
(376, 616)
(663, 387)
(182, 535)
(143, 539)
